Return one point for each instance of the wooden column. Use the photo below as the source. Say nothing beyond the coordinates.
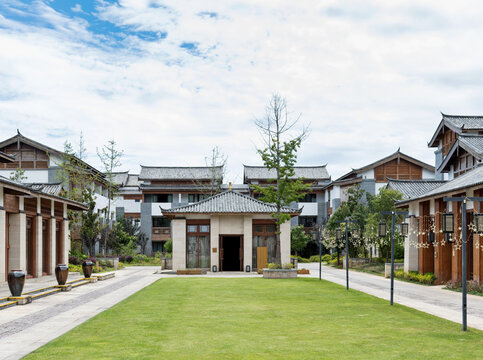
(65, 237)
(426, 254)
(442, 259)
(456, 266)
(38, 241)
(53, 239)
(478, 244)
(3, 239)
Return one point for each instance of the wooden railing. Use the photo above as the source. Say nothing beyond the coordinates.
(160, 233)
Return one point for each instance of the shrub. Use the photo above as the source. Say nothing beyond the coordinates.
(168, 246)
(273, 266)
(302, 260)
(75, 268)
(287, 266)
(471, 286)
(129, 259)
(326, 258)
(122, 258)
(74, 260)
(140, 258)
(414, 276)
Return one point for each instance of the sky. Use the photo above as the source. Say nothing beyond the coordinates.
(170, 80)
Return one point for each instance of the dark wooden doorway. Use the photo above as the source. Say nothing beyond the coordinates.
(7, 244)
(31, 247)
(46, 246)
(231, 253)
(59, 242)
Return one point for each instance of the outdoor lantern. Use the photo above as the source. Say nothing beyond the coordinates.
(355, 232)
(247, 268)
(338, 234)
(214, 269)
(382, 229)
(448, 223)
(479, 223)
(448, 238)
(404, 229)
(431, 237)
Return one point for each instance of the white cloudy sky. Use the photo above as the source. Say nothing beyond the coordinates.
(168, 80)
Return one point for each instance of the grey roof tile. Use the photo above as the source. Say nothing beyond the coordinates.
(413, 188)
(473, 143)
(47, 188)
(180, 173)
(469, 179)
(229, 202)
(464, 121)
(307, 172)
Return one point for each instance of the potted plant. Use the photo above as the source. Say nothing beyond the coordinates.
(61, 273)
(275, 272)
(16, 281)
(87, 268)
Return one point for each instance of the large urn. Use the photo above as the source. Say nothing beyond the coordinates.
(87, 268)
(61, 273)
(16, 281)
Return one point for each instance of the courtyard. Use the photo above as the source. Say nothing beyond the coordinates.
(255, 318)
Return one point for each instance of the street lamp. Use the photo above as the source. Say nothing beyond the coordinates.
(479, 223)
(448, 223)
(317, 237)
(404, 227)
(382, 229)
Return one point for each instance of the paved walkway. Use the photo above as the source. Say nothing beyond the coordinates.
(431, 299)
(25, 328)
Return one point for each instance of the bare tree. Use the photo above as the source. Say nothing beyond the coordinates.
(280, 154)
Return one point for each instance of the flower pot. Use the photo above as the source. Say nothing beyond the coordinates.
(61, 273)
(87, 268)
(16, 281)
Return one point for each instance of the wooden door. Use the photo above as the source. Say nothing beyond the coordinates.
(241, 253)
(262, 257)
(220, 265)
(7, 244)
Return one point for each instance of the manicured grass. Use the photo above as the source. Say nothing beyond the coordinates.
(216, 318)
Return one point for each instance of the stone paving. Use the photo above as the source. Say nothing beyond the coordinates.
(25, 328)
(431, 299)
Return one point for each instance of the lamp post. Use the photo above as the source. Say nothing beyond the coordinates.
(346, 222)
(317, 237)
(382, 233)
(448, 227)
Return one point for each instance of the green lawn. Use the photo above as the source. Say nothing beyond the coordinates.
(216, 318)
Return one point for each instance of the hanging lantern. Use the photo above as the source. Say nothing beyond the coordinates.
(479, 223)
(404, 227)
(448, 223)
(431, 237)
(355, 233)
(448, 238)
(382, 229)
(338, 234)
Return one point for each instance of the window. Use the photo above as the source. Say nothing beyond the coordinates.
(309, 198)
(263, 236)
(161, 221)
(137, 200)
(196, 197)
(163, 198)
(307, 221)
(198, 246)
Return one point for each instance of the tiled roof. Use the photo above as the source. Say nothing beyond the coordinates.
(120, 178)
(133, 180)
(464, 121)
(307, 172)
(229, 202)
(6, 157)
(473, 144)
(469, 179)
(49, 188)
(180, 173)
(413, 188)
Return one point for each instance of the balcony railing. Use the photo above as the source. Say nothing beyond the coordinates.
(160, 233)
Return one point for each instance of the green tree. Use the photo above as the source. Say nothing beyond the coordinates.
(383, 201)
(280, 155)
(111, 159)
(298, 239)
(142, 241)
(168, 246)
(18, 175)
(89, 229)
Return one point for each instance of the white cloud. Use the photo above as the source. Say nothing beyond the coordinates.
(370, 77)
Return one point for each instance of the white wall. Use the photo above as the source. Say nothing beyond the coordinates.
(33, 176)
(369, 174)
(285, 242)
(178, 229)
(156, 208)
(379, 186)
(428, 174)
(309, 209)
(231, 225)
